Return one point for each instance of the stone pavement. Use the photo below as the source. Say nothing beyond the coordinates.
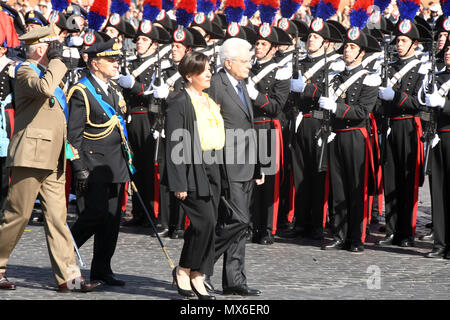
(287, 270)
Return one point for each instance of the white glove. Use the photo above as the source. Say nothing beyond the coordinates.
(126, 81)
(327, 104)
(161, 92)
(298, 85)
(386, 93)
(434, 100)
(155, 134)
(252, 92)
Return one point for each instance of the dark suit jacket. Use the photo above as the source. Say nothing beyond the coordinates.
(240, 143)
(104, 158)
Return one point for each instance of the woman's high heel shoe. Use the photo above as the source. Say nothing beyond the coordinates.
(182, 292)
(201, 296)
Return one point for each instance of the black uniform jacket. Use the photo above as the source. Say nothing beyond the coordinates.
(103, 157)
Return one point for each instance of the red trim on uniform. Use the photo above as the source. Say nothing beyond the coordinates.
(348, 108)
(291, 212)
(315, 90)
(379, 170)
(125, 196)
(156, 189)
(137, 112)
(143, 90)
(444, 130)
(307, 115)
(187, 222)
(403, 99)
(265, 104)
(419, 165)
(326, 195)
(11, 113)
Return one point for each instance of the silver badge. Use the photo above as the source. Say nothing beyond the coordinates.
(405, 26)
(283, 24)
(179, 35)
(353, 33)
(200, 18)
(146, 26)
(244, 21)
(233, 29)
(375, 17)
(446, 24)
(114, 20)
(161, 15)
(265, 30)
(89, 39)
(317, 25)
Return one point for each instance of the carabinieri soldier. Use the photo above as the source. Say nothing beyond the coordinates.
(268, 89)
(404, 148)
(350, 159)
(137, 93)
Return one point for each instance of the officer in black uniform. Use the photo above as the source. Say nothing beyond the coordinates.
(350, 159)
(184, 40)
(268, 89)
(439, 106)
(137, 93)
(402, 170)
(96, 130)
(311, 186)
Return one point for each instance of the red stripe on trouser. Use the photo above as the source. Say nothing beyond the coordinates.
(11, 113)
(156, 190)
(291, 197)
(379, 169)
(187, 222)
(125, 196)
(68, 182)
(369, 156)
(325, 196)
(419, 165)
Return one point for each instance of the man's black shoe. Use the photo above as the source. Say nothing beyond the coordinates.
(176, 234)
(428, 237)
(335, 245)
(386, 241)
(110, 280)
(208, 285)
(436, 253)
(242, 290)
(356, 248)
(429, 225)
(268, 239)
(162, 232)
(405, 243)
(447, 255)
(290, 234)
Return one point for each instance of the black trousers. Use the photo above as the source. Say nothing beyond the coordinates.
(233, 222)
(440, 168)
(199, 238)
(401, 187)
(349, 180)
(143, 146)
(310, 191)
(100, 210)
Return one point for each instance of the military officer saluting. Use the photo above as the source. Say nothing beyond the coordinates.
(96, 130)
(37, 158)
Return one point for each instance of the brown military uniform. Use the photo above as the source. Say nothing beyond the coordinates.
(37, 161)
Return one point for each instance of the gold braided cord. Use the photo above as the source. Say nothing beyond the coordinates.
(109, 125)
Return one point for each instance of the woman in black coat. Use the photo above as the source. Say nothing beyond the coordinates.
(195, 139)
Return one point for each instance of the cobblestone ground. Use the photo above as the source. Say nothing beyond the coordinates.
(287, 270)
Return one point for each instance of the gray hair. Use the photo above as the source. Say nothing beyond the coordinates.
(232, 48)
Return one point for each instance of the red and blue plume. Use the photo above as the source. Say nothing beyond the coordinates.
(60, 5)
(167, 5)
(234, 10)
(185, 12)
(327, 8)
(206, 6)
(313, 6)
(289, 7)
(120, 6)
(151, 9)
(268, 9)
(97, 14)
(218, 3)
(251, 6)
(445, 5)
(408, 9)
(382, 4)
(359, 14)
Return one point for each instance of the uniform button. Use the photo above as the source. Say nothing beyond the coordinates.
(90, 152)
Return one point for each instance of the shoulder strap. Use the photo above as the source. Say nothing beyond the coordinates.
(264, 72)
(344, 86)
(317, 66)
(400, 74)
(145, 65)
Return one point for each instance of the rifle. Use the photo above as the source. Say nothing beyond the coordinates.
(214, 60)
(325, 127)
(428, 116)
(295, 74)
(385, 121)
(156, 109)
